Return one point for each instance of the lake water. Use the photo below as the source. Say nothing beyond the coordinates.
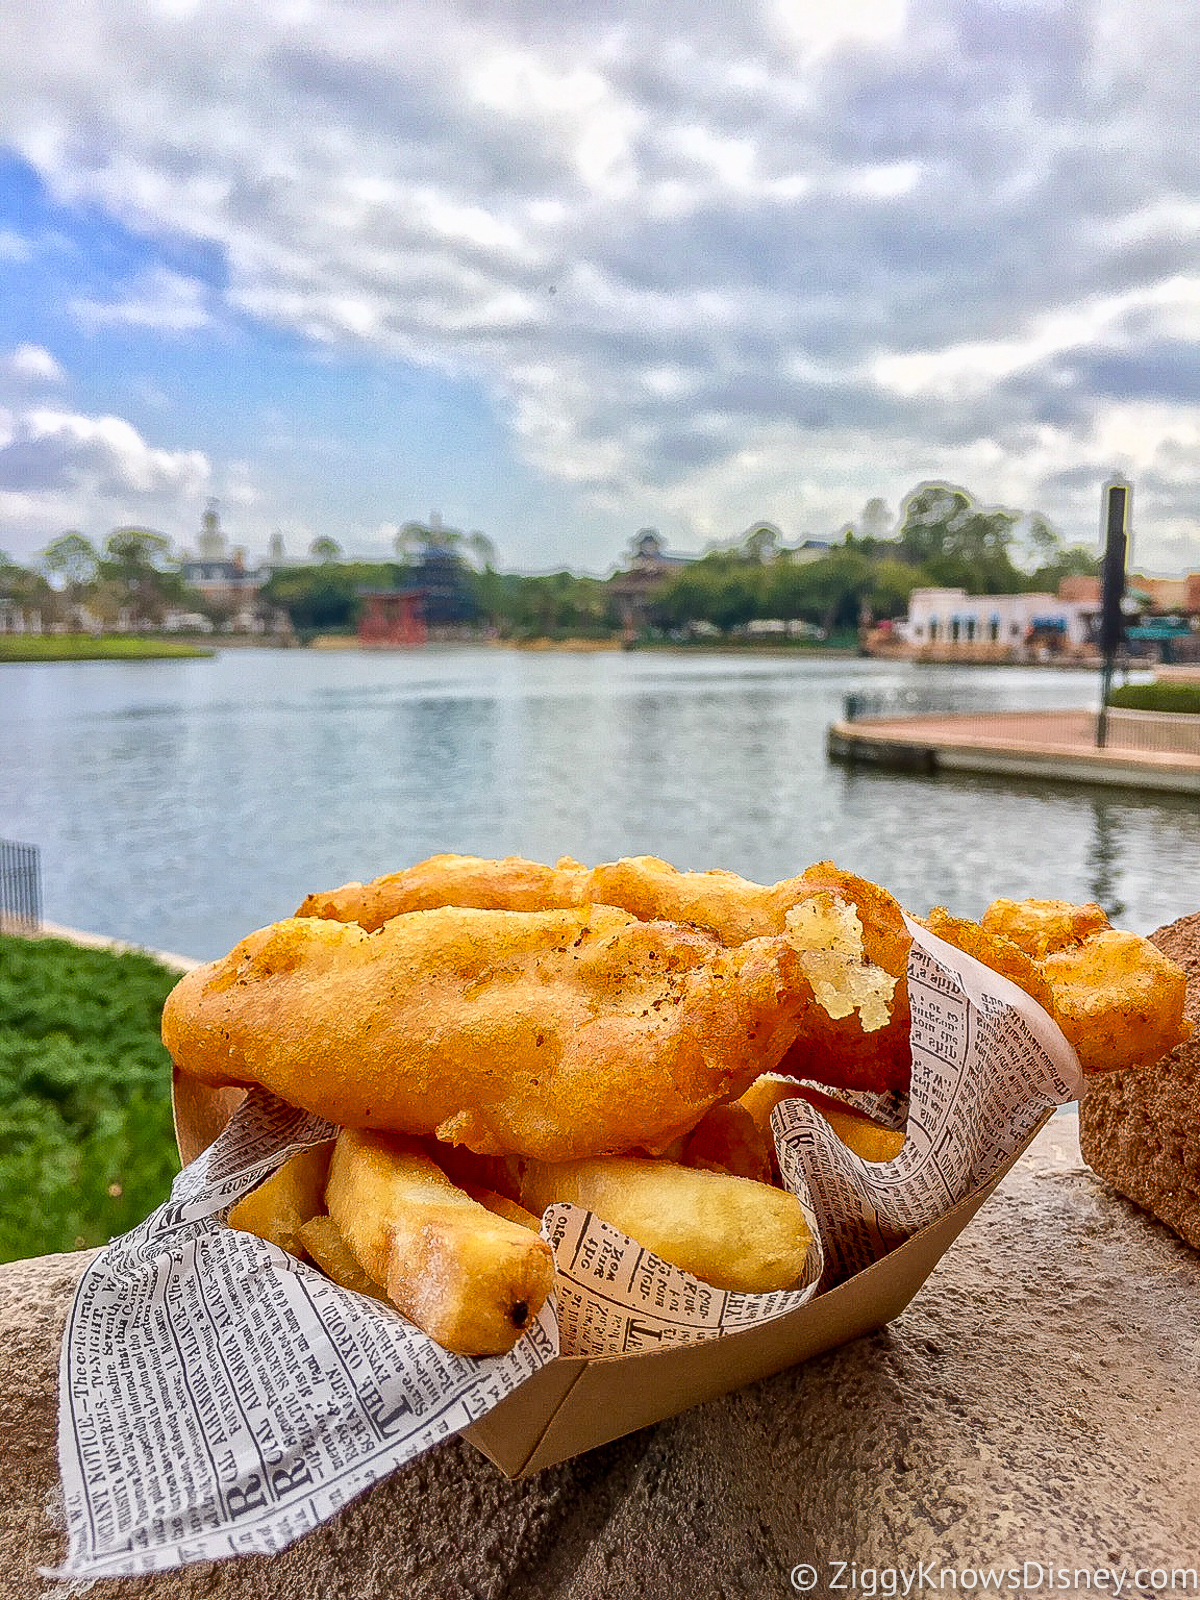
(179, 804)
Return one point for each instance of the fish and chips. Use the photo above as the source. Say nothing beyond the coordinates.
(549, 1034)
(496, 1036)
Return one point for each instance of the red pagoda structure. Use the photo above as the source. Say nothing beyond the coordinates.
(392, 619)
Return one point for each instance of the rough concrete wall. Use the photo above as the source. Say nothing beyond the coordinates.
(1035, 1403)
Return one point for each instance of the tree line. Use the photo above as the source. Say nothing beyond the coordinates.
(944, 537)
(131, 573)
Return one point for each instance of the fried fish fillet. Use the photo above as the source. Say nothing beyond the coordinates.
(732, 908)
(551, 1034)
(513, 884)
(1118, 1001)
(722, 903)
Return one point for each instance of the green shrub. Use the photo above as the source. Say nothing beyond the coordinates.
(1157, 697)
(86, 1143)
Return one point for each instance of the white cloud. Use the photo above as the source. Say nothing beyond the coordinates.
(1168, 309)
(816, 27)
(13, 247)
(164, 301)
(30, 365)
(54, 449)
(712, 262)
(59, 469)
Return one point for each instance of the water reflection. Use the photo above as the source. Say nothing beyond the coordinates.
(180, 804)
(1104, 859)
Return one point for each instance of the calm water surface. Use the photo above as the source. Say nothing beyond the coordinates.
(180, 804)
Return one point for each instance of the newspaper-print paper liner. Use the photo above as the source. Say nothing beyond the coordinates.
(218, 1397)
(988, 1063)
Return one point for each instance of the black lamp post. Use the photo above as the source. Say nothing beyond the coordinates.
(1112, 619)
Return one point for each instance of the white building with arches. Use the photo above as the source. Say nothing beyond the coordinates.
(950, 621)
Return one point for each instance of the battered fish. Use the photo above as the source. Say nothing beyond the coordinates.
(1117, 998)
(551, 1034)
(732, 908)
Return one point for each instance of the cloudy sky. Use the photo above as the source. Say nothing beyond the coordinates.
(561, 271)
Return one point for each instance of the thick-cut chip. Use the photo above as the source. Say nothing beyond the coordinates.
(326, 1247)
(502, 1206)
(279, 1207)
(867, 1138)
(470, 1279)
(549, 1034)
(730, 1232)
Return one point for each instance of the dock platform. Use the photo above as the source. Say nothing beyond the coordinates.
(1142, 750)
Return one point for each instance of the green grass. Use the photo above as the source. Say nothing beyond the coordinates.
(1157, 697)
(86, 647)
(86, 1144)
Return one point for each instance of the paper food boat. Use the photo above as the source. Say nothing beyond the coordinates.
(989, 1068)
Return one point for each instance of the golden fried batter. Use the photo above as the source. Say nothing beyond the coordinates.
(836, 1050)
(733, 908)
(553, 1034)
(1058, 953)
(510, 885)
(1117, 998)
(994, 951)
(1040, 927)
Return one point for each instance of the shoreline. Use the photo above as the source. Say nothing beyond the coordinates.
(77, 648)
(101, 941)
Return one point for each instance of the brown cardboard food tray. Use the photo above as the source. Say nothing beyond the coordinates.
(579, 1402)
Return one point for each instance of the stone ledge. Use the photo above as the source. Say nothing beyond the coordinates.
(1035, 1403)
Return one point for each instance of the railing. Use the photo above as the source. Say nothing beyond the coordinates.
(1171, 732)
(906, 703)
(20, 888)
(1153, 732)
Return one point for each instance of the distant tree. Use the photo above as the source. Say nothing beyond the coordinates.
(137, 550)
(761, 544)
(328, 597)
(875, 520)
(482, 550)
(723, 588)
(25, 585)
(892, 583)
(409, 538)
(1055, 559)
(957, 542)
(73, 560)
(1044, 540)
(136, 568)
(415, 538)
(549, 605)
(323, 548)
